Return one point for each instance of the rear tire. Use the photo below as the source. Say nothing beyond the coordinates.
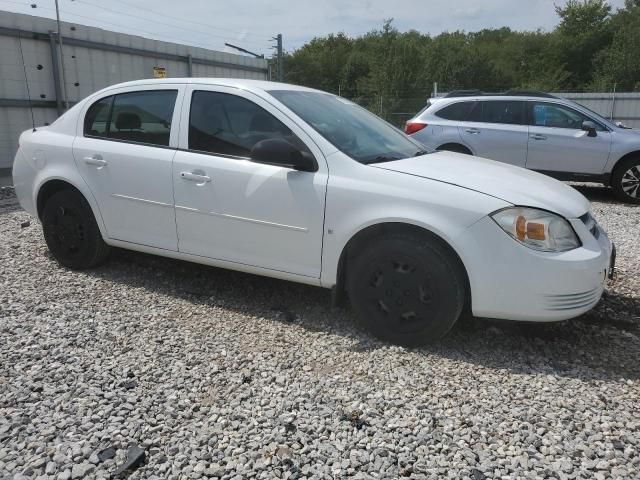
(71, 232)
(625, 180)
(406, 289)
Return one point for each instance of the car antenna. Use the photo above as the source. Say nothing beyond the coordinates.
(26, 82)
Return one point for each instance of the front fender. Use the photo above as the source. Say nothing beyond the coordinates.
(354, 204)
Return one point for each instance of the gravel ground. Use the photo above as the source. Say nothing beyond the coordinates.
(221, 374)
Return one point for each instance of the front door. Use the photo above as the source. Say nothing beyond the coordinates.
(229, 208)
(124, 152)
(558, 144)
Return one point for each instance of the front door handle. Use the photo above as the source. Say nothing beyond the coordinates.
(96, 161)
(538, 136)
(472, 131)
(195, 177)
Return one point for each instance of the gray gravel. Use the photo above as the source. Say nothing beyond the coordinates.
(225, 375)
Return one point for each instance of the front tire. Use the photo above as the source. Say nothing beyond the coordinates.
(406, 289)
(626, 180)
(71, 232)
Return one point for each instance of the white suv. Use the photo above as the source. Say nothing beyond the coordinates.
(540, 132)
(298, 184)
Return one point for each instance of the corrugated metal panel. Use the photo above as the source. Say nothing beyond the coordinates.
(15, 120)
(90, 67)
(623, 107)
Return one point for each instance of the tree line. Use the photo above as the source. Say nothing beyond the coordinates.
(593, 48)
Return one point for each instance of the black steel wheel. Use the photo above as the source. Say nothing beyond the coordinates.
(71, 232)
(406, 289)
(626, 180)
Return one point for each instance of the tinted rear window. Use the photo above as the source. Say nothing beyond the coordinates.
(455, 111)
(139, 117)
(507, 112)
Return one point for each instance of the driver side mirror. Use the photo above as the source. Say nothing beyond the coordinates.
(590, 128)
(280, 152)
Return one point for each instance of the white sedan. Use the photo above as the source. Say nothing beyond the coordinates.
(298, 184)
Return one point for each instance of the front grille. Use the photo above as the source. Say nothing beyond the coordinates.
(572, 301)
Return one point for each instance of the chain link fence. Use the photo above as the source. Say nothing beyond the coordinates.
(394, 109)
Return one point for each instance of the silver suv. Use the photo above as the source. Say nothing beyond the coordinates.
(537, 131)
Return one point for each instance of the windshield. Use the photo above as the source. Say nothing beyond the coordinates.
(350, 128)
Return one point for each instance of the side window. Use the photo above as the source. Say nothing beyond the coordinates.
(507, 112)
(96, 121)
(227, 124)
(455, 111)
(143, 117)
(558, 116)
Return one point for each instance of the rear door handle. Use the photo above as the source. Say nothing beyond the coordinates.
(96, 161)
(538, 136)
(195, 177)
(472, 131)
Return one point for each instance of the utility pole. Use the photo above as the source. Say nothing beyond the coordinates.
(280, 58)
(64, 81)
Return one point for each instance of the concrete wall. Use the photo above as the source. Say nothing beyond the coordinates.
(93, 59)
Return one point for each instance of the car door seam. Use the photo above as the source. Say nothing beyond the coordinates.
(243, 219)
(142, 200)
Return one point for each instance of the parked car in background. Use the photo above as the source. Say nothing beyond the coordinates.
(537, 131)
(298, 184)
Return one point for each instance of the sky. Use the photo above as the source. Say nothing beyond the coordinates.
(251, 24)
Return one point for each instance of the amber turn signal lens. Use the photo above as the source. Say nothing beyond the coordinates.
(535, 231)
(521, 227)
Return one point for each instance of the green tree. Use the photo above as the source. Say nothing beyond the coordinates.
(619, 64)
(584, 30)
(391, 71)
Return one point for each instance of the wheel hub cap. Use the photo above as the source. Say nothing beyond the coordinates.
(630, 182)
(401, 292)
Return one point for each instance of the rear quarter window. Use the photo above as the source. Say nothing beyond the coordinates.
(138, 117)
(455, 111)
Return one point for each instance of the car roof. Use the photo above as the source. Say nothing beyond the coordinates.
(508, 93)
(242, 83)
(442, 101)
(494, 97)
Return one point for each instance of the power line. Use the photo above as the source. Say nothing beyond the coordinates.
(262, 37)
(146, 19)
(125, 27)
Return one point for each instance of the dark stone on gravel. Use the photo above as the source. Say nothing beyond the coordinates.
(129, 384)
(135, 458)
(477, 474)
(617, 444)
(106, 454)
(355, 419)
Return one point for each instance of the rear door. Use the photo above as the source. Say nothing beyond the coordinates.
(497, 130)
(124, 150)
(558, 144)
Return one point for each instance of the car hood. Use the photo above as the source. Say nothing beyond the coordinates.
(509, 183)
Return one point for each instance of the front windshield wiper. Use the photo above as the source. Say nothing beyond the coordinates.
(381, 159)
(420, 153)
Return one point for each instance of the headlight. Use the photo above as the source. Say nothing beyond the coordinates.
(537, 229)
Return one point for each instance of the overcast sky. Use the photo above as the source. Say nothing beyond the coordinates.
(251, 23)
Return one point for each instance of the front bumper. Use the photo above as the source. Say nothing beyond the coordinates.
(511, 281)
